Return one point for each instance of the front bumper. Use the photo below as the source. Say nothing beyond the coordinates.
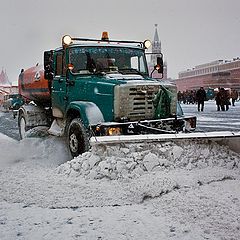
(159, 126)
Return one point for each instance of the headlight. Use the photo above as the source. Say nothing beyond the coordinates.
(147, 44)
(113, 131)
(66, 40)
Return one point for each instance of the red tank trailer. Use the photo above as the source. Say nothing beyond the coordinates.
(33, 86)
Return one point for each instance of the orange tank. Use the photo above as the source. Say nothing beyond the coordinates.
(33, 86)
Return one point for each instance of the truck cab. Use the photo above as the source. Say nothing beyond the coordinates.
(93, 73)
(13, 101)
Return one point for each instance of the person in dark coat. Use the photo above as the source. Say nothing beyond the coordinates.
(218, 99)
(200, 98)
(226, 99)
(234, 96)
(221, 99)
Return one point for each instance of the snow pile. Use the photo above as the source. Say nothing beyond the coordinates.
(134, 160)
(49, 151)
(161, 191)
(44, 152)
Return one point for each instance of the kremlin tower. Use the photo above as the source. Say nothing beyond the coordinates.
(4, 81)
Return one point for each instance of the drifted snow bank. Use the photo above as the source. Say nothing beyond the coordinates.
(134, 160)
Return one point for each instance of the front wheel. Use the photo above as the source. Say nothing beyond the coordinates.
(77, 137)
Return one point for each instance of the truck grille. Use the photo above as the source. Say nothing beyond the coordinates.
(134, 102)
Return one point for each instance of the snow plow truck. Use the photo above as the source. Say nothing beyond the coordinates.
(100, 90)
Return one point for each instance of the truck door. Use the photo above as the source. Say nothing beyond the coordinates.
(59, 98)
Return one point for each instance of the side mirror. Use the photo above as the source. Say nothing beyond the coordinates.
(159, 66)
(48, 65)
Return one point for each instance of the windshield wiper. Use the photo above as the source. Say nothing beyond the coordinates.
(106, 70)
(129, 70)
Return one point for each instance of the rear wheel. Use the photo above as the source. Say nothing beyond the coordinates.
(77, 137)
(22, 125)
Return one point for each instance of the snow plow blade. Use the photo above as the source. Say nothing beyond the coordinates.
(231, 139)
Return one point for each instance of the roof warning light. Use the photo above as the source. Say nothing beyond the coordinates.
(105, 36)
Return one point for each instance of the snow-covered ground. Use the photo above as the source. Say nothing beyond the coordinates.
(181, 190)
(212, 120)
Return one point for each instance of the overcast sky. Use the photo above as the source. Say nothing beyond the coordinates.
(192, 32)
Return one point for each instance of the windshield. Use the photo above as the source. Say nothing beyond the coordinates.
(14, 95)
(108, 59)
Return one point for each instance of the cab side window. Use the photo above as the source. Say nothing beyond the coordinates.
(60, 69)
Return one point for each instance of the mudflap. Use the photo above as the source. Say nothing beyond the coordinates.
(231, 139)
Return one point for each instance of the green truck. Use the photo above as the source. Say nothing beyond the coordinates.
(99, 87)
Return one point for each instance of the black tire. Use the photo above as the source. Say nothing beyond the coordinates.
(22, 125)
(77, 137)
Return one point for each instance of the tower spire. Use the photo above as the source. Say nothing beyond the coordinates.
(156, 47)
(156, 38)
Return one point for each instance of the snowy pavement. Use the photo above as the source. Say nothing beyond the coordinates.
(212, 120)
(182, 190)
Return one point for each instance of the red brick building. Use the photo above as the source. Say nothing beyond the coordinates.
(215, 74)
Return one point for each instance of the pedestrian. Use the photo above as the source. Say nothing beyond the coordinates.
(227, 99)
(234, 96)
(200, 98)
(221, 99)
(218, 100)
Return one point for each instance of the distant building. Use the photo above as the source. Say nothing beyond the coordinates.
(6, 86)
(157, 49)
(220, 73)
(4, 81)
